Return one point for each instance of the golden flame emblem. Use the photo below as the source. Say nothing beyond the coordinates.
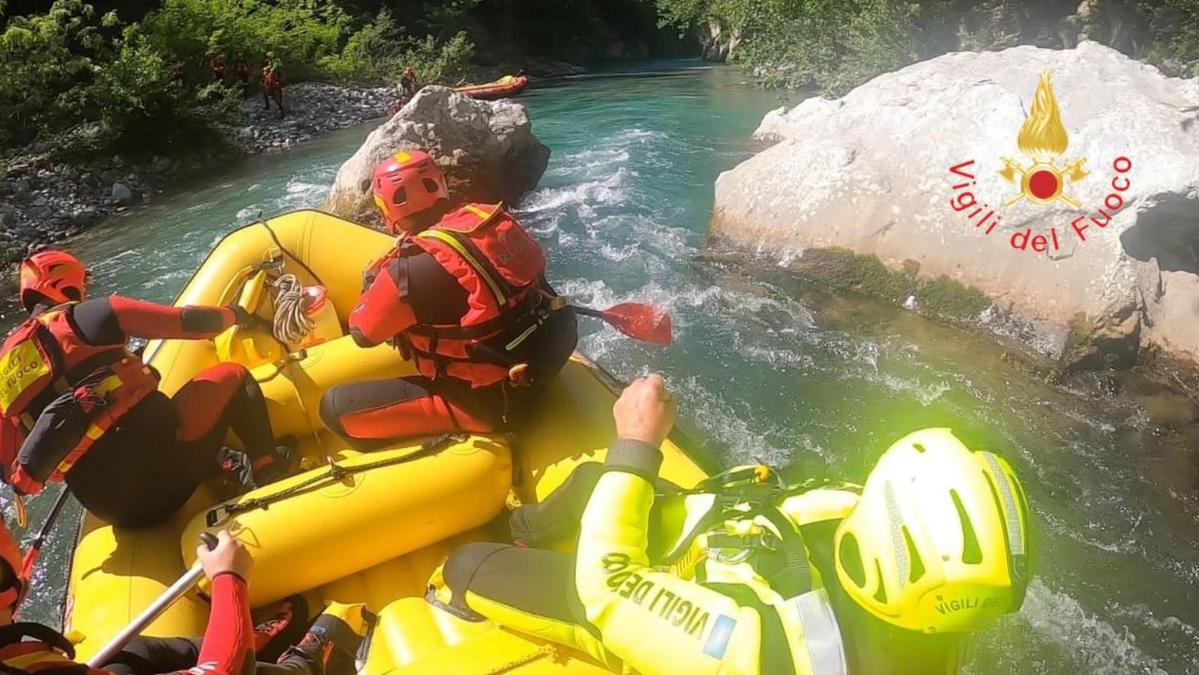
(1043, 139)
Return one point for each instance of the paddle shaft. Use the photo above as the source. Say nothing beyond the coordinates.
(587, 311)
(35, 549)
(177, 590)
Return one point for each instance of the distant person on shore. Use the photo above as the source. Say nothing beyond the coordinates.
(77, 406)
(227, 648)
(272, 82)
(241, 71)
(218, 69)
(463, 294)
(408, 84)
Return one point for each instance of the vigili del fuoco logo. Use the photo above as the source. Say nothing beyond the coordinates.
(1044, 178)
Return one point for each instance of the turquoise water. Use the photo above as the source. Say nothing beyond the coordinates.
(771, 368)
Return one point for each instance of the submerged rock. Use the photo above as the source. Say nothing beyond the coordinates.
(487, 150)
(911, 167)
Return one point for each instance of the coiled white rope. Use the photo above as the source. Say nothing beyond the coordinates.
(291, 324)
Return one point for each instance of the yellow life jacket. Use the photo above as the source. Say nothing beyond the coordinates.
(745, 541)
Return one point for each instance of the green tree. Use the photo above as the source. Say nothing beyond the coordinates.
(46, 64)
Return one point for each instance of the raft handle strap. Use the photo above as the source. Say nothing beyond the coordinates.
(335, 474)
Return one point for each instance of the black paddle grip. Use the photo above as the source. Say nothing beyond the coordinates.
(208, 539)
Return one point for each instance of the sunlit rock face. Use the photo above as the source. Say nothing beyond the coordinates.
(487, 150)
(1062, 183)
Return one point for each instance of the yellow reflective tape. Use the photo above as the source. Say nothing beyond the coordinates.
(23, 661)
(94, 432)
(453, 243)
(478, 211)
(107, 385)
(522, 337)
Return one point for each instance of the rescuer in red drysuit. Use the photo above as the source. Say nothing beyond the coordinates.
(229, 646)
(76, 405)
(463, 294)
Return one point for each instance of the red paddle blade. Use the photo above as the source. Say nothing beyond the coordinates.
(642, 322)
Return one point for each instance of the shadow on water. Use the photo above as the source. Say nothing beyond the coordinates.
(770, 367)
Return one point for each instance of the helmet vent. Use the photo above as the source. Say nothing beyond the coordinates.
(972, 553)
(431, 185)
(917, 570)
(851, 560)
(881, 594)
(400, 197)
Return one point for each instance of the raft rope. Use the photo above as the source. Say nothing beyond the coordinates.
(291, 324)
(336, 473)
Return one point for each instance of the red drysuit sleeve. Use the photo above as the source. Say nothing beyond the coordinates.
(228, 647)
(380, 313)
(149, 320)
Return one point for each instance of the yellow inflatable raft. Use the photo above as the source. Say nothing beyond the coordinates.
(350, 526)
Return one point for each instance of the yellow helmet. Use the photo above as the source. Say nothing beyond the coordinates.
(941, 539)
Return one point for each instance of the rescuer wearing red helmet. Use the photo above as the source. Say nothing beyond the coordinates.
(76, 405)
(463, 295)
(227, 648)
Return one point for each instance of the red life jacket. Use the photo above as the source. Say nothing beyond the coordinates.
(501, 268)
(48, 653)
(42, 359)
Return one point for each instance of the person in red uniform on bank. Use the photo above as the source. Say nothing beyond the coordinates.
(463, 294)
(76, 405)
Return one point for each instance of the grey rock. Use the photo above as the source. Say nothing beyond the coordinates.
(871, 172)
(121, 193)
(487, 149)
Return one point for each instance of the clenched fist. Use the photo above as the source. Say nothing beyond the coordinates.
(645, 411)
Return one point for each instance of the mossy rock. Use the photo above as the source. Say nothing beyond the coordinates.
(848, 272)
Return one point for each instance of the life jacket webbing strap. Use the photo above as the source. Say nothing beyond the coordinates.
(453, 242)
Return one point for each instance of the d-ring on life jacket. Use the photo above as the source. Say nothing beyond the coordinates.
(501, 267)
(43, 359)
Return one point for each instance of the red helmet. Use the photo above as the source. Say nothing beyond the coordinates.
(408, 182)
(56, 275)
(10, 554)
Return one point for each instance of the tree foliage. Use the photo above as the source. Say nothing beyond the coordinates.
(151, 79)
(833, 45)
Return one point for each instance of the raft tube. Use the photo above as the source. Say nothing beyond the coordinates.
(506, 86)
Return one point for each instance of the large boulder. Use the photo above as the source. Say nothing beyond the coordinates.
(487, 150)
(874, 172)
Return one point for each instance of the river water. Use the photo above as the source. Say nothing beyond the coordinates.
(768, 367)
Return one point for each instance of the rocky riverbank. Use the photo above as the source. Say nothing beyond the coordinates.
(44, 200)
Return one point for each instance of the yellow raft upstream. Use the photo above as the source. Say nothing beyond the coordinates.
(350, 526)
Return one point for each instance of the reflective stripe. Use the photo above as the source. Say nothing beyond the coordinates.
(45, 655)
(1012, 517)
(821, 634)
(479, 212)
(453, 243)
